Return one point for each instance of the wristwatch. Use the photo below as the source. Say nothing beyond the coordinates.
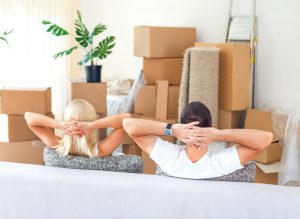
(167, 130)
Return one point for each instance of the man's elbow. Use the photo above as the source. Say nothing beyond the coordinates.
(27, 117)
(127, 125)
(267, 140)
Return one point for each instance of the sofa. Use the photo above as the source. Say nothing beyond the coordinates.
(42, 192)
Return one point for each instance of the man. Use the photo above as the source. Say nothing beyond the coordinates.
(193, 160)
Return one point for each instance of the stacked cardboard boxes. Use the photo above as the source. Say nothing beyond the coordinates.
(162, 49)
(268, 160)
(234, 82)
(95, 94)
(15, 136)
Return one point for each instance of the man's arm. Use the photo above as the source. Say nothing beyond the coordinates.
(250, 142)
(145, 132)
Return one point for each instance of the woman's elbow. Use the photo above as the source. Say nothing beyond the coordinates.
(268, 138)
(127, 125)
(27, 117)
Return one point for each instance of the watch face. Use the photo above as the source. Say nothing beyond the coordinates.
(168, 132)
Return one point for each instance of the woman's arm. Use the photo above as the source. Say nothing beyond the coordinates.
(41, 125)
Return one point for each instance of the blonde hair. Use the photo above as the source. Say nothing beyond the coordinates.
(79, 110)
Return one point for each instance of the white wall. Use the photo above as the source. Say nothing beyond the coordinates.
(278, 36)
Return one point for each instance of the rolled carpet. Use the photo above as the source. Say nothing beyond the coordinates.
(200, 79)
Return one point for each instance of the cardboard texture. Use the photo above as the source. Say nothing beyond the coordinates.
(16, 101)
(229, 119)
(22, 152)
(162, 93)
(132, 149)
(271, 154)
(158, 42)
(15, 129)
(169, 69)
(146, 100)
(267, 174)
(94, 93)
(260, 119)
(234, 75)
(102, 133)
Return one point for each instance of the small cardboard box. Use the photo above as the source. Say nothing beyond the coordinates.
(267, 173)
(229, 119)
(94, 93)
(234, 75)
(259, 119)
(22, 152)
(271, 154)
(169, 69)
(16, 101)
(146, 101)
(15, 129)
(162, 42)
(132, 149)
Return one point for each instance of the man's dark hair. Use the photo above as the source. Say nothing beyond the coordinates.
(196, 111)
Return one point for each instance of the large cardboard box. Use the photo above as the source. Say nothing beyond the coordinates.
(267, 174)
(169, 69)
(271, 154)
(94, 93)
(16, 101)
(259, 119)
(15, 129)
(229, 119)
(158, 42)
(22, 152)
(146, 100)
(234, 75)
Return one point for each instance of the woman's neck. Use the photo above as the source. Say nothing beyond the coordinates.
(195, 154)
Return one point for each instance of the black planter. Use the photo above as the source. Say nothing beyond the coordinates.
(93, 73)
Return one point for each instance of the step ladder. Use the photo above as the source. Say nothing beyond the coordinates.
(242, 28)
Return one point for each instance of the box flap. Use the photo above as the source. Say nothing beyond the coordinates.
(269, 168)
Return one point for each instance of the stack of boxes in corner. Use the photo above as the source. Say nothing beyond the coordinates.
(17, 142)
(268, 160)
(95, 94)
(234, 82)
(162, 49)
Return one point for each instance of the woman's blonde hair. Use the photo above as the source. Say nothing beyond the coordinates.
(79, 110)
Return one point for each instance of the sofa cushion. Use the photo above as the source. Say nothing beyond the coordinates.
(119, 163)
(246, 174)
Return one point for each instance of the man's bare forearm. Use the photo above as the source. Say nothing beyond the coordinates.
(115, 121)
(142, 127)
(250, 138)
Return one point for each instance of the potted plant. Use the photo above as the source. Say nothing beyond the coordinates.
(4, 34)
(85, 40)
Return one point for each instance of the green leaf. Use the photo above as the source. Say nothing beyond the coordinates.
(2, 38)
(55, 29)
(82, 34)
(7, 32)
(65, 52)
(85, 59)
(104, 47)
(97, 30)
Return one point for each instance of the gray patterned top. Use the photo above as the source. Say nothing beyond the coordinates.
(120, 163)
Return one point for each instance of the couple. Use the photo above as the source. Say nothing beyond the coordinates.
(191, 160)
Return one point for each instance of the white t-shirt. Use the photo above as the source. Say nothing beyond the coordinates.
(174, 161)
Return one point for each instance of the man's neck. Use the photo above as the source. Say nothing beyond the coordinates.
(195, 154)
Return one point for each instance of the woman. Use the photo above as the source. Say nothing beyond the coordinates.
(74, 142)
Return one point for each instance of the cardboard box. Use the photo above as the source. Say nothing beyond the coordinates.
(229, 119)
(161, 106)
(271, 154)
(169, 69)
(102, 133)
(157, 42)
(94, 93)
(149, 165)
(16, 101)
(22, 152)
(267, 174)
(132, 149)
(259, 119)
(234, 75)
(15, 129)
(146, 100)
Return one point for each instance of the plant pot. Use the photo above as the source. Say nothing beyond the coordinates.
(93, 73)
